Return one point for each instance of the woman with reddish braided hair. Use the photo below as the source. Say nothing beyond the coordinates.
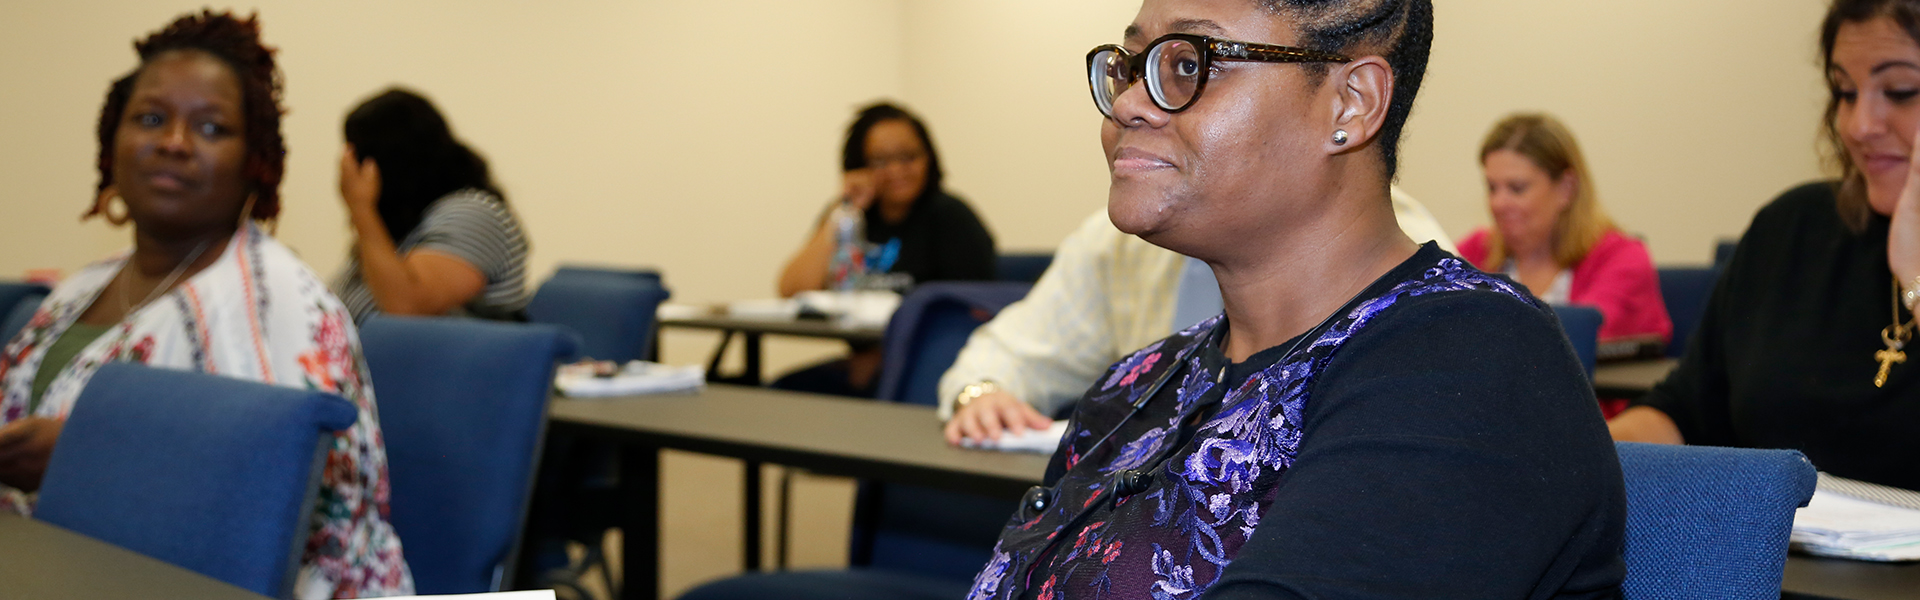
(190, 145)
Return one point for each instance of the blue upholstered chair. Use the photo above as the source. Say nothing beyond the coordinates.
(1686, 290)
(1022, 267)
(463, 407)
(1582, 326)
(1723, 252)
(908, 542)
(928, 330)
(17, 303)
(1706, 522)
(213, 474)
(613, 313)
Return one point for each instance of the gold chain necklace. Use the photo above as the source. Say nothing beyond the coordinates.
(1895, 336)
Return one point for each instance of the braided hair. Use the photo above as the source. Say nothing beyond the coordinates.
(236, 42)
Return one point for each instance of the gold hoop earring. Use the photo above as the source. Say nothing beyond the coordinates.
(103, 206)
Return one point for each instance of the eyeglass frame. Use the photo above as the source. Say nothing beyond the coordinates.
(1211, 49)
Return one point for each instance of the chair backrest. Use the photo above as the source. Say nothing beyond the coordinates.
(914, 529)
(17, 303)
(1723, 252)
(928, 330)
(1686, 290)
(599, 271)
(462, 407)
(1706, 522)
(213, 474)
(1582, 326)
(1022, 267)
(612, 313)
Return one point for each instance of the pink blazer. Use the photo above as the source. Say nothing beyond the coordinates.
(1617, 277)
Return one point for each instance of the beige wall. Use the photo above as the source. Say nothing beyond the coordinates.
(701, 136)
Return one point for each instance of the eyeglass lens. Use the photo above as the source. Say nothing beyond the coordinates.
(1173, 69)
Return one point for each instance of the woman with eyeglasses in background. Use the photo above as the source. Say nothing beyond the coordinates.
(906, 229)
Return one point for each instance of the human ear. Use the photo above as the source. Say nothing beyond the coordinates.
(1363, 90)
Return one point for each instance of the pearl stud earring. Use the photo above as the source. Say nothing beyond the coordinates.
(1339, 137)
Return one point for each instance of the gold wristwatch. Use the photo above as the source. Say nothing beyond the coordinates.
(972, 391)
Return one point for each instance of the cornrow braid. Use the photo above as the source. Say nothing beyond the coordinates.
(235, 42)
(1401, 31)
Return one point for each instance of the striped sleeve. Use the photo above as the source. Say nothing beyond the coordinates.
(478, 228)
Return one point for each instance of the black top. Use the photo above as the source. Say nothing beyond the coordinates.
(1436, 440)
(1784, 357)
(941, 239)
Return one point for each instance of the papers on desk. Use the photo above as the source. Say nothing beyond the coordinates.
(588, 380)
(1859, 520)
(1041, 441)
(858, 308)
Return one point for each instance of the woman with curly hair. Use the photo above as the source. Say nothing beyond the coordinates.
(190, 144)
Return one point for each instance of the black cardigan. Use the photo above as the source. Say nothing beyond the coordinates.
(1784, 357)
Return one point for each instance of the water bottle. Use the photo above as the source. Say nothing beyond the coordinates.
(849, 243)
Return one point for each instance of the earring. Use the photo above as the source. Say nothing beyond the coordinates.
(103, 206)
(1339, 137)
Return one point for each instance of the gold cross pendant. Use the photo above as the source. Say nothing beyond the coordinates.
(1887, 357)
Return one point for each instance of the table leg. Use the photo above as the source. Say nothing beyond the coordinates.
(719, 353)
(750, 530)
(640, 523)
(785, 513)
(752, 374)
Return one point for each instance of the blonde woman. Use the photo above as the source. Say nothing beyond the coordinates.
(1550, 234)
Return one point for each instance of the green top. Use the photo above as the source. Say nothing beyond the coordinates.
(63, 350)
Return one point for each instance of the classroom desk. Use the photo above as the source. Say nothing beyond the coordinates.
(901, 443)
(44, 562)
(823, 434)
(1630, 379)
(752, 330)
(1850, 580)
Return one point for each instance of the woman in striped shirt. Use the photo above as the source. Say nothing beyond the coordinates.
(434, 235)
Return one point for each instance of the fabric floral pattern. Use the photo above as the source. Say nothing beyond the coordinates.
(256, 313)
(1172, 540)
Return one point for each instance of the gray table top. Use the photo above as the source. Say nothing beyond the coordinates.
(1631, 378)
(1850, 579)
(44, 562)
(844, 436)
(866, 438)
(794, 327)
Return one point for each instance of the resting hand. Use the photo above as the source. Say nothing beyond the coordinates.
(359, 181)
(1644, 424)
(990, 415)
(858, 188)
(1903, 238)
(25, 446)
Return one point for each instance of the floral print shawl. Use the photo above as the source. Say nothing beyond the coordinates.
(1172, 539)
(257, 313)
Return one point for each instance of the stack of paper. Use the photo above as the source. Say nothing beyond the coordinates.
(636, 378)
(1841, 521)
(1042, 441)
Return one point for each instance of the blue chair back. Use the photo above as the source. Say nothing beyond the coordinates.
(213, 474)
(643, 273)
(1723, 252)
(1686, 290)
(1706, 522)
(912, 529)
(1582, 326)
(1022, 267)
(17, 303)
(928, 330)
(463, 407)
(612, 313)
